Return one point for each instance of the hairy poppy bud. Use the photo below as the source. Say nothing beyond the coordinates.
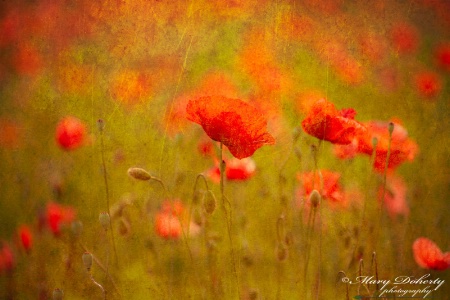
(58, 294)
(139, 174)
(209, 203)
(104, 220)
(87, 260)
(315, 198)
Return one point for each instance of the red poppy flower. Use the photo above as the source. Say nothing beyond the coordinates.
(70, 133)
(311, 181)
(428, 84)
(167, 221)
(325, 122)
(402, 147)
(443, 56)
(428, 255)
(235, 170)
(26, 238)
(394, 196)
(58, 215)
(27, 60)
(7, 261)
(236, 124)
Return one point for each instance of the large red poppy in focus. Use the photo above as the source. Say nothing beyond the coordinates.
(428, 255)
(325, 122)
(236, 124)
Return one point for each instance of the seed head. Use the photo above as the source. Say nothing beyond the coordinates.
(315, 198)
(87, 260)
(104, 220)
(58, 294)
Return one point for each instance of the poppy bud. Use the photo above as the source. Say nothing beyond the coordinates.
(100, 125)
(104, 220)
(139, 174)
(209, 203)
(87, 260)
(374, 142)
(281, 252)
(314, 198)
(58, 294)
(391, 128)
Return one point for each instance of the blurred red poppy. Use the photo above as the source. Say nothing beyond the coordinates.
(428, 84)
(402, 148)
(394, 196)
(26, 238)
(7, 260)
(70, 133)
(405, 37)
(167, 221)
(58, 215)
(443, 56)
(311, 181)
(428, 255)
(235, 170)
(236, 124)
(325, 122)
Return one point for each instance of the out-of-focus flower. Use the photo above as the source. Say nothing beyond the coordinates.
(236, 124)
(26, 238)
(325, 122)
(306, 100)
(27, 60)
(206, 148)
(70, 133)
(10, 134)
(168, 221)
(311, 181)
(373, 46)
(442, 54)
(394, 196)
(405, 38)
(58, 215)
(428, 84)
(235, 170)
(7, 260)
(131, 87)
(402, 148)
(428, 255)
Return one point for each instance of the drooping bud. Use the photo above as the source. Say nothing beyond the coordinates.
(209, 203)
(139, 174)
(314, 198)
(104, 220)
(87, 260)
(58, 294)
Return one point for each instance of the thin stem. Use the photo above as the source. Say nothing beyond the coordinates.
(105, 178)
(98, 284)
(228, 218)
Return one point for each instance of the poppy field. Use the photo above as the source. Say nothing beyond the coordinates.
(224, 149)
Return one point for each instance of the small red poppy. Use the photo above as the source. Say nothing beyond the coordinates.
(428, 84)
(7, 260)
(235, 170)
(443, 56)
(325, 122)
(236, 124)
(167, 221)
(394, 196)
(58, 215)
(26, 238)
(70, 133)
(428, 255)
